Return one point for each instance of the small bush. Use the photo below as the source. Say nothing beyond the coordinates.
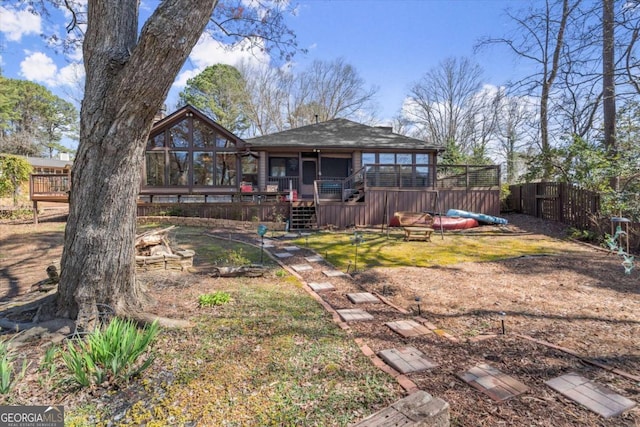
(110, 354)
(215, 298)
(234, 258)
(8, 376)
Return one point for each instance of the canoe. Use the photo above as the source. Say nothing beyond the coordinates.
(488, 219)
(454, 223)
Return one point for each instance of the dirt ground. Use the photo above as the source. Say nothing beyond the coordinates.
(579, 299)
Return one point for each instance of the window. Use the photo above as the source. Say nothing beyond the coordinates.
(284, 166)
(368, 158)
(249, 169)
(155, 168)
(178, 168)
(191, 153)
(226, 172)
(202, 168)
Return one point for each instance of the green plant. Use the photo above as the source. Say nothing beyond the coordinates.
(281, 273)
(111, 353)
(8, 376)
(215, 298)
(234, 257)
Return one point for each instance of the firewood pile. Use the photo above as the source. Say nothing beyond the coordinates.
(153, 252)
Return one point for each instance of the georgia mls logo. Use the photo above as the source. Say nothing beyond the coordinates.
(31, 416)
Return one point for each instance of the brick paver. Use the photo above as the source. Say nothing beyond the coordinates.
(363, 298)
(354, 315)
(333, 273)
(492, 382)
(408, 328)
(321, 286)
(302, 267)
(595, 397)
(283, 255)
(406, 359)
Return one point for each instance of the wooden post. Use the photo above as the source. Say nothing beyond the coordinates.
(35, 212)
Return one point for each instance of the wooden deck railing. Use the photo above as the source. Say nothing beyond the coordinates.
(50, 187)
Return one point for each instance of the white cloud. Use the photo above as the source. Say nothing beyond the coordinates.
(18, 23)
(209, 52)
(39, 67)
(71, 75)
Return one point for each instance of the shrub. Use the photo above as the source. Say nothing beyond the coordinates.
(8, 376)
(215, 298)
(111, 353)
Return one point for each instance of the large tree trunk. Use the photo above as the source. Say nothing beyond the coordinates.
(127, 79)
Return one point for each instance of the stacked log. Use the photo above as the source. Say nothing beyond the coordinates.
(154, 253)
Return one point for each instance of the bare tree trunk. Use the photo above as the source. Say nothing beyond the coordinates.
(127, 78)
(549, 77)
(609, 86)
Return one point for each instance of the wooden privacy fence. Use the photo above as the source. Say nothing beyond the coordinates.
(555, 201)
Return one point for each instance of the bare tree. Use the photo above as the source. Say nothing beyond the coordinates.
(515, 116)
(327, 90)
(444, 102)
(281, 98)
(265, 97)
(539, 37)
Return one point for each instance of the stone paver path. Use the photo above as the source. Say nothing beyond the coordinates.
(283, 255)
(314, 258)
(354, 314)
(333, 273)
(302, 267)
(408, 328)
(363, 298)
(406, 359)
(291, 248)
(595, 397)
(321, 286)
(492, 382)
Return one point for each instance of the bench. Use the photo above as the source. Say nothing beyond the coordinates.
(419, 233)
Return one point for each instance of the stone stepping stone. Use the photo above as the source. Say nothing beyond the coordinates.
(597, 398)
(302, 267)
(268, 245)
(333, 273)
(314, 258)
(419, 408)
(291, 235)
(408, 328)
(354, 315)
(291, 248)
(363, 298)
(406, 360)
(492, 382)
(283, 255)
(322, 286)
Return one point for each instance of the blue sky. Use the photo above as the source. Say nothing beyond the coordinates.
(391, 43)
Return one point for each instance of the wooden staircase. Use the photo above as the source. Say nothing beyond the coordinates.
(303, 216)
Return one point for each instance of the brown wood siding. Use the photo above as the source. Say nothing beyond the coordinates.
(380, 205)
(233, 211)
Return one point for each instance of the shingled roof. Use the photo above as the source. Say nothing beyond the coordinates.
(340, 133)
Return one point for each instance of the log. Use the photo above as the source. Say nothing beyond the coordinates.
(245, 271)
(152, 238)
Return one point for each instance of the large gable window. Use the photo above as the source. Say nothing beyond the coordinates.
(190, 153)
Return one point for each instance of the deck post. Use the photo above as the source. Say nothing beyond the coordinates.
(35, 212)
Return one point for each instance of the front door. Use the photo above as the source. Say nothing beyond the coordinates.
(309, 175)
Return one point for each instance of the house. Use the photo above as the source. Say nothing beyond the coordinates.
(337, 173)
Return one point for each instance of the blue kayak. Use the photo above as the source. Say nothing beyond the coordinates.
(477, 216)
